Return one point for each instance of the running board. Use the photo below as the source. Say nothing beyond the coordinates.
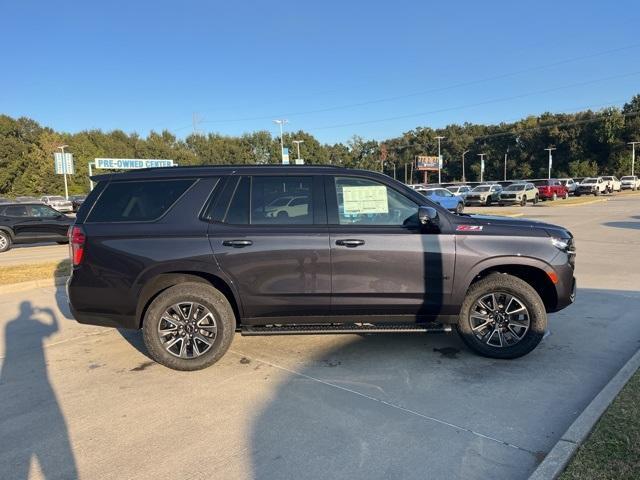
(344, 328)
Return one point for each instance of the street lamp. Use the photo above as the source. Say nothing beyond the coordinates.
(282, 123)
(481, 155)
(550, 149)
(64, 172)
(633, 156)
(298, 142)
(439, 159)
(463, 154)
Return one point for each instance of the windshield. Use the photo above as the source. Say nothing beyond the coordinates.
(607, 178)
(515, 188)
(589, 180)
(56, 198)
(481, 189)
(628, 178)
(280, 202)
(541, 183)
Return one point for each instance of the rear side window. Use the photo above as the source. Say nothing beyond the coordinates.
(137, 201)
(16, 211)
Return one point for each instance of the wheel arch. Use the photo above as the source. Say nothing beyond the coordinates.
(532, 271)
(162, 281)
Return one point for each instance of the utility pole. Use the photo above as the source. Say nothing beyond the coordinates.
(633, 156)
(464, 179)
(550, 149)
(298, 142)
(481, 155)
(282, 123)
(64, 171)
(195, 120)
(439, 159)
(505, 164)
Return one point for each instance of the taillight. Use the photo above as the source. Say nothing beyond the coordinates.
(77, 240)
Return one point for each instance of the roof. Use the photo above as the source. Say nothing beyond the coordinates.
(212, 170)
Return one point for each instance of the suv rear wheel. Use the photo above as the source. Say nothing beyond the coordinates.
(5, 241)
(502, 316)
(189, 326)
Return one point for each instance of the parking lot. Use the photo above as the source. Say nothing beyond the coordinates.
(81, 401)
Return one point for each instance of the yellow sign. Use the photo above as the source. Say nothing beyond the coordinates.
(363, 200)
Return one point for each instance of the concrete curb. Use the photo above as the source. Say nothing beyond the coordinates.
(599, 200)
(22, 286)
(563, 451)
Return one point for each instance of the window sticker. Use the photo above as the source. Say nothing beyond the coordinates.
(365, 200)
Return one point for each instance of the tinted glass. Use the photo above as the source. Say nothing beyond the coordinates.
(43, 211)
(281, 200)
(238, 212)
(515, 187)
(16, 211)
(481, 189)
(365, 202)
(137, 201)
(541, 183)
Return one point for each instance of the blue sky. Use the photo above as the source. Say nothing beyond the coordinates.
(334, 69)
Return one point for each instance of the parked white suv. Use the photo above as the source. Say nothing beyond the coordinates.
(591, 186)
(57, 202)
(613, 184)
(630, 181)
(570, 183)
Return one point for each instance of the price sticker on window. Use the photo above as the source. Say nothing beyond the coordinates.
(365, 200)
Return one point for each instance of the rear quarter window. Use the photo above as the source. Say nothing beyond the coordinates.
(139, 201)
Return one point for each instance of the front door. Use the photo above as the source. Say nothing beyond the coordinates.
(383, 261)
(273, 243)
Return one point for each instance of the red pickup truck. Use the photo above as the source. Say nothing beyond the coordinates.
(551, 189)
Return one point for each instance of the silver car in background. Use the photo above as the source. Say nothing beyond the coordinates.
(58, 203)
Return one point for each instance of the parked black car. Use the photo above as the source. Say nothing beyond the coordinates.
(31, 223)
(77, 201)
(193, 254)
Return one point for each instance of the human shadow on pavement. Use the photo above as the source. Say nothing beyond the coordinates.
(31, 420)
(631, 225)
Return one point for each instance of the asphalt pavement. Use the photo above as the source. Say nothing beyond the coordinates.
(85, 402)
(33, 254)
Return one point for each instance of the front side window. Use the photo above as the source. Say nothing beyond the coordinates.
(365, 202)
(139, 201)
(42, 211)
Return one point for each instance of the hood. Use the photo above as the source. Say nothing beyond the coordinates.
(497, 225)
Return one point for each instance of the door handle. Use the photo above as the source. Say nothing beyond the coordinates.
(350, 242)
(237, 243)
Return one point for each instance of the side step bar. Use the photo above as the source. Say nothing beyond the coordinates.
(342, 328)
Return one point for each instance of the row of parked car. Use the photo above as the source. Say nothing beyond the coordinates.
(518, 192)
(57, 202)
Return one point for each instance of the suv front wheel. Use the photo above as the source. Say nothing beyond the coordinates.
(502, 316)
(188, 326)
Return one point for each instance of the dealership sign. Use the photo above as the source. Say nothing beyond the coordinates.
(424, 162)
(132, 163)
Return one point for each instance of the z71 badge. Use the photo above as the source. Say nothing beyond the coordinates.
(469, 228)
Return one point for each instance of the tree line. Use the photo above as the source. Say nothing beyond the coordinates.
(587, 143)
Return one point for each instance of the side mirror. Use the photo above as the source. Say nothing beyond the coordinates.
(427, 215)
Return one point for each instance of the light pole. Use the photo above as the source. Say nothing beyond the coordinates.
(463, 154)
(481, 155)
(505, 164)
(64, 172)
(282, 123)
(439, 159)
(550, 149)
(298, 142)
(633, 156)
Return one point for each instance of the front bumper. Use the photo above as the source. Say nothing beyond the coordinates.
(63, 208)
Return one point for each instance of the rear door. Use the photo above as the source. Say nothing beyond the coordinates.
(269, 235)
(47, 223)
(383, 262)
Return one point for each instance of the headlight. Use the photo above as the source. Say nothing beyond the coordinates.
(564, 244)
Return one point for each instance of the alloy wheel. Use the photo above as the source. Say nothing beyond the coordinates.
(187, 330)
(499, 319)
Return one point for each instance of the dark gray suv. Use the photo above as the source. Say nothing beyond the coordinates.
(192, 255)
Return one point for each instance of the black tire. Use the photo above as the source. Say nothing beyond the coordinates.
(536, 199)
(488, 202)
(523, 202)
(460, 207)
(5, 241)
(205, 295)
(577, 194)
(566, 195)
(597, 193)
(526, 294)
(62, 242)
